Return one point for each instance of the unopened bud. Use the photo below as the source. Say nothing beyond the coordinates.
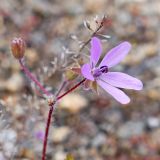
(18, 47)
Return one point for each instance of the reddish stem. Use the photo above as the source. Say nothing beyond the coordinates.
(50, 115)
(47, 131)
(33, 78)
(70, 90)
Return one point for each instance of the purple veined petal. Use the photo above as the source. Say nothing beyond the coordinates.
(115, 55)
(119, 95)
(86, 72)
(122, 80)
(96, 50)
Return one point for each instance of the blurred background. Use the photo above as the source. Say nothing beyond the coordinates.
(88, 126)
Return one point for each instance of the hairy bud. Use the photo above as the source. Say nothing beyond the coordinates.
(18, 47)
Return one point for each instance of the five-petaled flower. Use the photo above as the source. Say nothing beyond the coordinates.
(110, 81)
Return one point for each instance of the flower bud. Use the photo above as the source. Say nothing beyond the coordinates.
(18, 47)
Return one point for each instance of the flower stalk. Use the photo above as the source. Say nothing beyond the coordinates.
(18, 50)
(52, 107)
(70, 90)
(47, 131)
(33, 78)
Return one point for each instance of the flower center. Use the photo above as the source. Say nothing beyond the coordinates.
(99, 71)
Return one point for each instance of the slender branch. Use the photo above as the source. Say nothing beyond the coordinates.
(61, 88)
(33, 78)
(70, 90)
(51, 111)
(47, 131)
(52, 105)
(93, 34)
(49, 121)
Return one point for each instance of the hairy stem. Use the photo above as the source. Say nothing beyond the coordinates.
(33, 78)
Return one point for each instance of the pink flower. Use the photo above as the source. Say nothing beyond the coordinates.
(110, 81)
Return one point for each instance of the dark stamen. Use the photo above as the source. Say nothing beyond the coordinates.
(104, 69)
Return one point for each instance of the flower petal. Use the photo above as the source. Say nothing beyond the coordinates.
(115, 55)
(86, 72)
(96, 50)
(122, 80)
(119, 95)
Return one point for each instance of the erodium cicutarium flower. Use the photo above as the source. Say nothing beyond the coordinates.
(110, 81)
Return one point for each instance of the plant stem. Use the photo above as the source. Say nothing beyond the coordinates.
(51, 111)
(93, 34)
(61, 88)
(47, 131)
(70, 90)
(33, 78)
